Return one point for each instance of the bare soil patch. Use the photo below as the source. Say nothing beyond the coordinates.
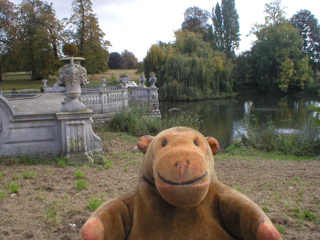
(51, 204)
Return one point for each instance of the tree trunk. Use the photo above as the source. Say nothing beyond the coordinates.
(0, 72)
(82, 27)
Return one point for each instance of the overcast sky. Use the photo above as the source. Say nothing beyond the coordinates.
(137, 24)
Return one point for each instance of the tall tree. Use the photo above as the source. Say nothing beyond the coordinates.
(189, 69)
(226, 27)
(115, 61)
(275, 12)
(89, 37)
(217, 20)
(278, 63)
(7, 37)
(309, 29)
(196, 20)
(38, 29)
(129, 59)
(155, 59)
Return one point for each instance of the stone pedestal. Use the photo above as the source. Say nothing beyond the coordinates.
(79, 143)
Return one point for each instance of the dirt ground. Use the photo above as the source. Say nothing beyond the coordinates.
(51, 201)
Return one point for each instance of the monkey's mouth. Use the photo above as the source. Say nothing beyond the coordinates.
(183, 183)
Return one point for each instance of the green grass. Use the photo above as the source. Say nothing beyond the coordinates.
(50, 215)
(79, 174)
(81, 184)
(305, 215)
(94, 203)
(16, 176)
(238, 150)
(2, 174)
(280, 229)
(12, 186)
(28, 175)
(265, 207)
(62, 161)
(2, 195)
(108, 164)
(21, 80)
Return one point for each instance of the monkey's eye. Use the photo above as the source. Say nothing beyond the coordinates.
(196, 143)
(164, 143)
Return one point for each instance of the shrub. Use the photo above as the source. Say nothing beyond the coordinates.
(265, 137)
(137, 121)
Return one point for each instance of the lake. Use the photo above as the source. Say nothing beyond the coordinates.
(223, 118)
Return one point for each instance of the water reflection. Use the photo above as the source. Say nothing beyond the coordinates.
(222, 119)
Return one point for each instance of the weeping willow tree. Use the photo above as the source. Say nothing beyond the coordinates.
(190, 69)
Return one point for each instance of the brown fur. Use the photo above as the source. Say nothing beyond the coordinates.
(179, 197)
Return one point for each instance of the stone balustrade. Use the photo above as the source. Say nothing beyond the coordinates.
(105, 101)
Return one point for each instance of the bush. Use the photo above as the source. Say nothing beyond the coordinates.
(137, 121)
(265, 137)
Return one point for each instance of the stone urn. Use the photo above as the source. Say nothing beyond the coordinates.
(124, 80)
(142, 80)
(152, 80)
(103, 81)
(72, 75)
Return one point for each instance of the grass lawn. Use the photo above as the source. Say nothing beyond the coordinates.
(21, 80)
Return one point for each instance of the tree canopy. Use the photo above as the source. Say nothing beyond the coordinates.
(129, 59)
(226, 27)
(189, 69)
(196, 20)
(31, 37)
(309, 30)
(7, 36)
(87, 34)
(277, 60)
(115, 61)
(37, 28)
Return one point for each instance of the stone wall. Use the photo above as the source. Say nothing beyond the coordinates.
(48, 135)
(31, 135)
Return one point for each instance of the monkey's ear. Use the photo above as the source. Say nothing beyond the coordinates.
(144, 142)
(214, 144)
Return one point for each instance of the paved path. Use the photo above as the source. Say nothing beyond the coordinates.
(45, 103)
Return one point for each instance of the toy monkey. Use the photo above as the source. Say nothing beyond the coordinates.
(179, 197)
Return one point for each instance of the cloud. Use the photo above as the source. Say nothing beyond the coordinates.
(113, 2)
